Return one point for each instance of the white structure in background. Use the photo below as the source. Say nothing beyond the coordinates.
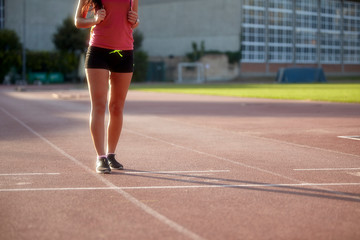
(196, 74)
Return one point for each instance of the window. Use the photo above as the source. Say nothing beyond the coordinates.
(253, 31)
(330, 32)
(280, 30)
(311, 31)
(351, 13)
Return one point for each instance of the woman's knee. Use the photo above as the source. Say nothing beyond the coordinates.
(98, 108)
(116, 109)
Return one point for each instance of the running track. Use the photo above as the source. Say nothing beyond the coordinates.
(197, 167)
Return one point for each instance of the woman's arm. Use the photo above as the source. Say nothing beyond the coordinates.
(133, 16)
(80, 17)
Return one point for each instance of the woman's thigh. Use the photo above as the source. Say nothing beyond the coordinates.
(98, 82)
(119, 85)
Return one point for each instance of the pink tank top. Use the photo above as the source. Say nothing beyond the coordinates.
(115, 31)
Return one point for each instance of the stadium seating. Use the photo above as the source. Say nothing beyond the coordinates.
(300, 75)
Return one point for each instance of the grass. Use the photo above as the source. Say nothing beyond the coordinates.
(330, 92)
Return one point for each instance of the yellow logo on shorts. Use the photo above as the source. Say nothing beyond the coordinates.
(118, 52)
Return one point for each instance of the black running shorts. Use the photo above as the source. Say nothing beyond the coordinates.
(120, 61)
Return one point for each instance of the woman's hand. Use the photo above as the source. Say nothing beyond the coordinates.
(132, 17)
(100, 16)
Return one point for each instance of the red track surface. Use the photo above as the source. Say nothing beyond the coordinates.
(197, 167)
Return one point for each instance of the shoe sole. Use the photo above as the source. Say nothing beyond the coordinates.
(120, 168)
(103, 172)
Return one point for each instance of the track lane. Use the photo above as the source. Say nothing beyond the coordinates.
(250, 210)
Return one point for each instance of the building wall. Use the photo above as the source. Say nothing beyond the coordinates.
(321, 33)
(274, 33)
(170, 26)
(268, 31)
(41, 20)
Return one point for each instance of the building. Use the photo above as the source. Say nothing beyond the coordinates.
(270, 33)
(170, 26)
(37, 19)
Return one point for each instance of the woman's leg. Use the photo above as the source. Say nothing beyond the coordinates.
(119, 85)
(98, 82)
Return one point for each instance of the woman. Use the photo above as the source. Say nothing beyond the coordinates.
(109, 59)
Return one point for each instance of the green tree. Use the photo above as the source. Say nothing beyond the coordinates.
(70, 42)
(141, 66)
(140, 58)
(196, 54)
(10, 51)
(138, 40)
(68, 38)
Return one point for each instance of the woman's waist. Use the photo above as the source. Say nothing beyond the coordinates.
(112, 45)
(102, 50)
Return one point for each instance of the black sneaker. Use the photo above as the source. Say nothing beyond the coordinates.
(102, 166)
(113, 163)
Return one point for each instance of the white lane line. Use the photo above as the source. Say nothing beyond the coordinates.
(350, 137)
(171, 172)
(326, 169)
(175, 226)
(180, 187)
(27, 174)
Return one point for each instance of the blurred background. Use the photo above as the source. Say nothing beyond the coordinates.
(187, 40)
